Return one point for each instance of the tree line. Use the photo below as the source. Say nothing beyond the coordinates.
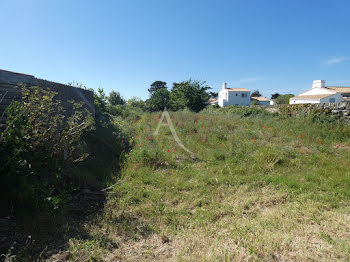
(191, 94)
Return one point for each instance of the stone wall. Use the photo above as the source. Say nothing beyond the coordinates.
(340, 110)
(10, 91)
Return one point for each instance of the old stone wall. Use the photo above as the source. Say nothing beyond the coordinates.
(340, 110)
(10, 90)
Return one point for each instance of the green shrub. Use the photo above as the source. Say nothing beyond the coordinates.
(46, 154)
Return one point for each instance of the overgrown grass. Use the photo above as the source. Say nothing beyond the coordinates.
(261, 188)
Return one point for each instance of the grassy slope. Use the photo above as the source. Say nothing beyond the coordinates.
(261, 188)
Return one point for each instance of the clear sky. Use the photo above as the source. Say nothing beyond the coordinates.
(270, 45)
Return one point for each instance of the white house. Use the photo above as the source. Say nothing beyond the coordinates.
(233, 96)
(260, 100)
(319, 93)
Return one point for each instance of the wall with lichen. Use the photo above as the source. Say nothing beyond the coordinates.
(10, 90)
(340, 110)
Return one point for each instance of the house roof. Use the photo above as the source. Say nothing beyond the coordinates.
(260, 98)
(312, 97)
(212, 100)
(339, 89)
(237, 90)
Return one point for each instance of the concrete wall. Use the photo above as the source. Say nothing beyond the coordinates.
(10, 91)
(302, 101)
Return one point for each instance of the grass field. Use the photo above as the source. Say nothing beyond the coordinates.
(261, 187)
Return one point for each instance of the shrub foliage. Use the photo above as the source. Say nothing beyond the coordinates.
(43, 148)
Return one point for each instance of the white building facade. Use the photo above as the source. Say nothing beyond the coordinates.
(319, 93)
(260, 100)
(233, 96)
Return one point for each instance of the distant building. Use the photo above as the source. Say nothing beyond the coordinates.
(212, 101)
(260, 100)
(319, 93)
(233, 96)
(344, 91)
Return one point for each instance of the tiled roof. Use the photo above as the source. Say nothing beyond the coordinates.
(260, 98)
(312, 97)
(339, 89)
(238, 90)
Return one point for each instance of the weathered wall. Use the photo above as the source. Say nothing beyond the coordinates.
(340, 110)
(10, 91)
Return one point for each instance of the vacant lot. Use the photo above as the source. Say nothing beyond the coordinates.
(261, 187)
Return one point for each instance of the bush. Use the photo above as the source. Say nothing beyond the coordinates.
(243, 111)
(47, 154)
(283, 99)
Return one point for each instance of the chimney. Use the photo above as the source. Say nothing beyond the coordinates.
(224, 85)
(318, 84)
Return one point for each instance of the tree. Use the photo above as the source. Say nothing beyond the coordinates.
(159, 100)
(191, 94)
(275, 95)
(136, 102)
(283, 99)
(115, 98)
(213, 95)
(256, 93)
(156, 85)
(100, 102)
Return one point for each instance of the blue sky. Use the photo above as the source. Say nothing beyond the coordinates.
(273, 46)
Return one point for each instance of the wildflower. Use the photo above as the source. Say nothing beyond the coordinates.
(168, 150)
(122, 141)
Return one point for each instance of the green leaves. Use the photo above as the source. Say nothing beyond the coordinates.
(115, 98)
(189, 94)
(159, 100)
(41, 139)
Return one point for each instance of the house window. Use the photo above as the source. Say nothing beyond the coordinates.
(332, 100)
